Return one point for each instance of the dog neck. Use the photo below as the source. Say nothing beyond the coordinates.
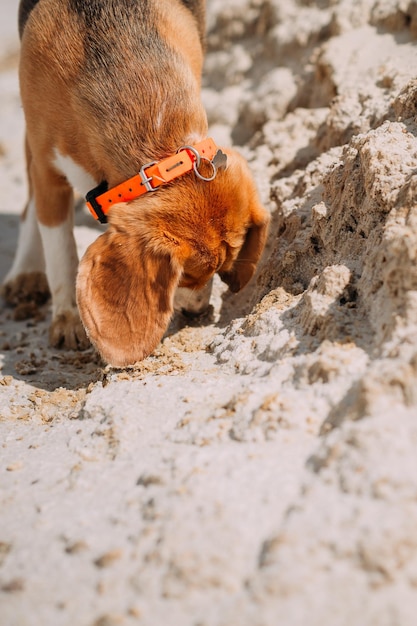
(153, 175)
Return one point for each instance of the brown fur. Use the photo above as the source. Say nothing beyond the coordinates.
(116, 86)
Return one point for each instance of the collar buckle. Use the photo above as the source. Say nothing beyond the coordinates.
(146, 180)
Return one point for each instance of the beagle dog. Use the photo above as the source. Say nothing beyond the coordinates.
(111, 96)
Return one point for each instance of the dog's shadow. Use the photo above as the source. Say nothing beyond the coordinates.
(25, 353)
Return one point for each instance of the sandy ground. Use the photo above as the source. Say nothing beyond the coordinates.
(260, 468)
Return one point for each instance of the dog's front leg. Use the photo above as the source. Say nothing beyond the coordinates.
(26, 282)
(54, 207)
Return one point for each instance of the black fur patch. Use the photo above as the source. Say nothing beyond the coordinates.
(95, 12)
(25, 8)
(114, 29)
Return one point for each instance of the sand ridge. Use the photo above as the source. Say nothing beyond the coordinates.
(259, 468)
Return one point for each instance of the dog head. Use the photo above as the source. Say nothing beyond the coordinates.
(177, 237)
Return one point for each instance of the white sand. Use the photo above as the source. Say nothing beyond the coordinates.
(259, 469)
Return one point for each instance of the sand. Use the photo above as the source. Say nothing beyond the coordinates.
(260, 468)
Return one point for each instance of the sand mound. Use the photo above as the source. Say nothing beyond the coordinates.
(260, 468)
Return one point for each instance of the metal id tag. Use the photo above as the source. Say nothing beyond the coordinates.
(219, 160)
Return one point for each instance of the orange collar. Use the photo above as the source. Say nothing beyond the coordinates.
(153, 175)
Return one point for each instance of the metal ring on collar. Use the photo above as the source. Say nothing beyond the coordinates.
(197, 163)
(206, 178)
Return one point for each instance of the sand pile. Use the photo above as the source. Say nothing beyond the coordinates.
(260, 468)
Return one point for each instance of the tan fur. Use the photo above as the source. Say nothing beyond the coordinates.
(178, 237)
(184, 37)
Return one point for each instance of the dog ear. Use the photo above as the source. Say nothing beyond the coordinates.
(125, 290)
(245, 265)
(257, 219)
